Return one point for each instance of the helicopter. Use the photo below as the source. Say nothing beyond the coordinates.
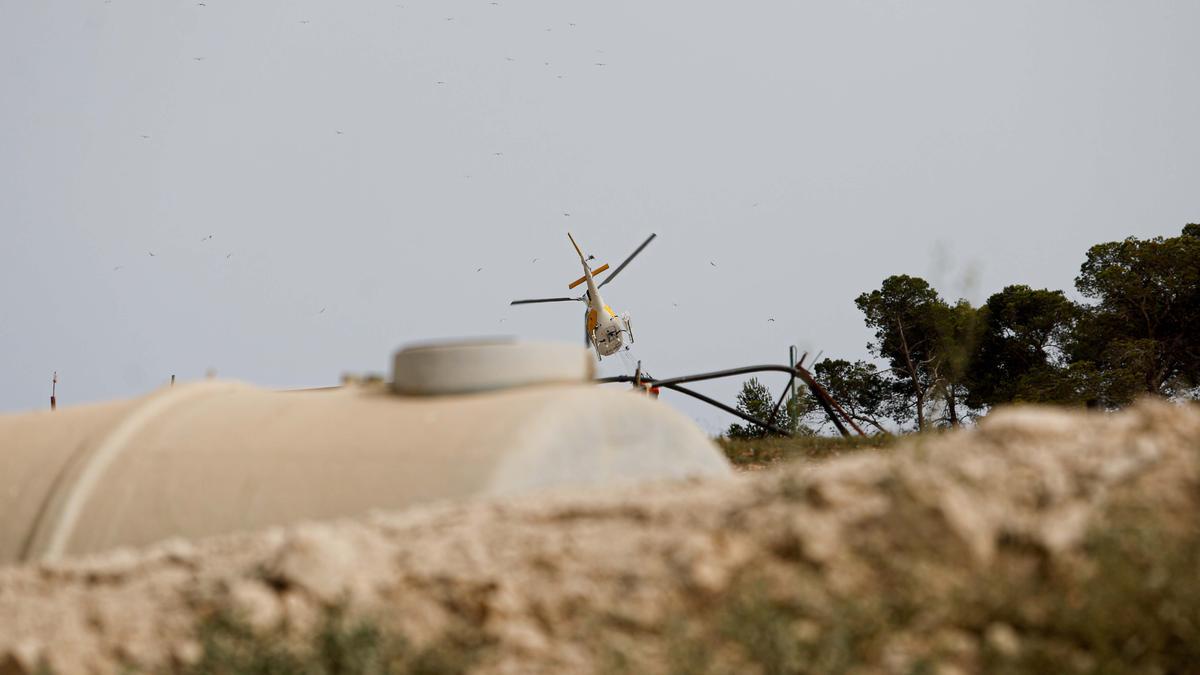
(603, 329)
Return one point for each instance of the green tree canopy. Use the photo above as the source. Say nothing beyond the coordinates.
(756, 401)
(863, 392)
(958, 328)
(1020, 354)
(1142, 335)
(908, 318)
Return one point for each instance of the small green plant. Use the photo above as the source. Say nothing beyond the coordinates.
(341, 645)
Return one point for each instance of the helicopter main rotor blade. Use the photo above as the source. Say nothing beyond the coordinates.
(539, 300)
(627, 260)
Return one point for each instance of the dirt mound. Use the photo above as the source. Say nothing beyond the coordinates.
(1000, 545)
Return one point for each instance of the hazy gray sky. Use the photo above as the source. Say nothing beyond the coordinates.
(365, 158)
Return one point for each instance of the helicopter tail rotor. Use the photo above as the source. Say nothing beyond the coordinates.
(595, 273)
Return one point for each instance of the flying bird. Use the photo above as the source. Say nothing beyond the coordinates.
(322, 311)
(197, 58)
(770, 319)
(151, 253)
(116, 268)
(712, 263)
(479, 269)
(228, 256)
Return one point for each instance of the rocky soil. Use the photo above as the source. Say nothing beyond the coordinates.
(950, 553)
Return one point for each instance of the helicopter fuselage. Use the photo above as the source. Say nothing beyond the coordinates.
(604, 329)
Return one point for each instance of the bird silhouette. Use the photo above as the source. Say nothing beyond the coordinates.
(197, 58)
(535, 260)
(770, 319)
(479, 269)
(322, 311)
(228, 256)
(116, 268)
(712, 263)
(151, 253)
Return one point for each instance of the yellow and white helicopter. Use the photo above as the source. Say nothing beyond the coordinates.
(603, 329)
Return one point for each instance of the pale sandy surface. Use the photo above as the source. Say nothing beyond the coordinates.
(558, 582)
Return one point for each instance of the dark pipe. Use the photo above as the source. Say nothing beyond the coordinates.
(823, 397)
(732, 411)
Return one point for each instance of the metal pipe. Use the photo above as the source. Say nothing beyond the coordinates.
(832, 409)
(732, 411)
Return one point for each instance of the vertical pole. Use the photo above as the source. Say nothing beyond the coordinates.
(172, 379)
(792, 365)
(791, 387)
(53, 391)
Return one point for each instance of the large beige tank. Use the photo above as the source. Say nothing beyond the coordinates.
(215, 456)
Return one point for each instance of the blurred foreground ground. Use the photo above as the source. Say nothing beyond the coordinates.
(1043, 541)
